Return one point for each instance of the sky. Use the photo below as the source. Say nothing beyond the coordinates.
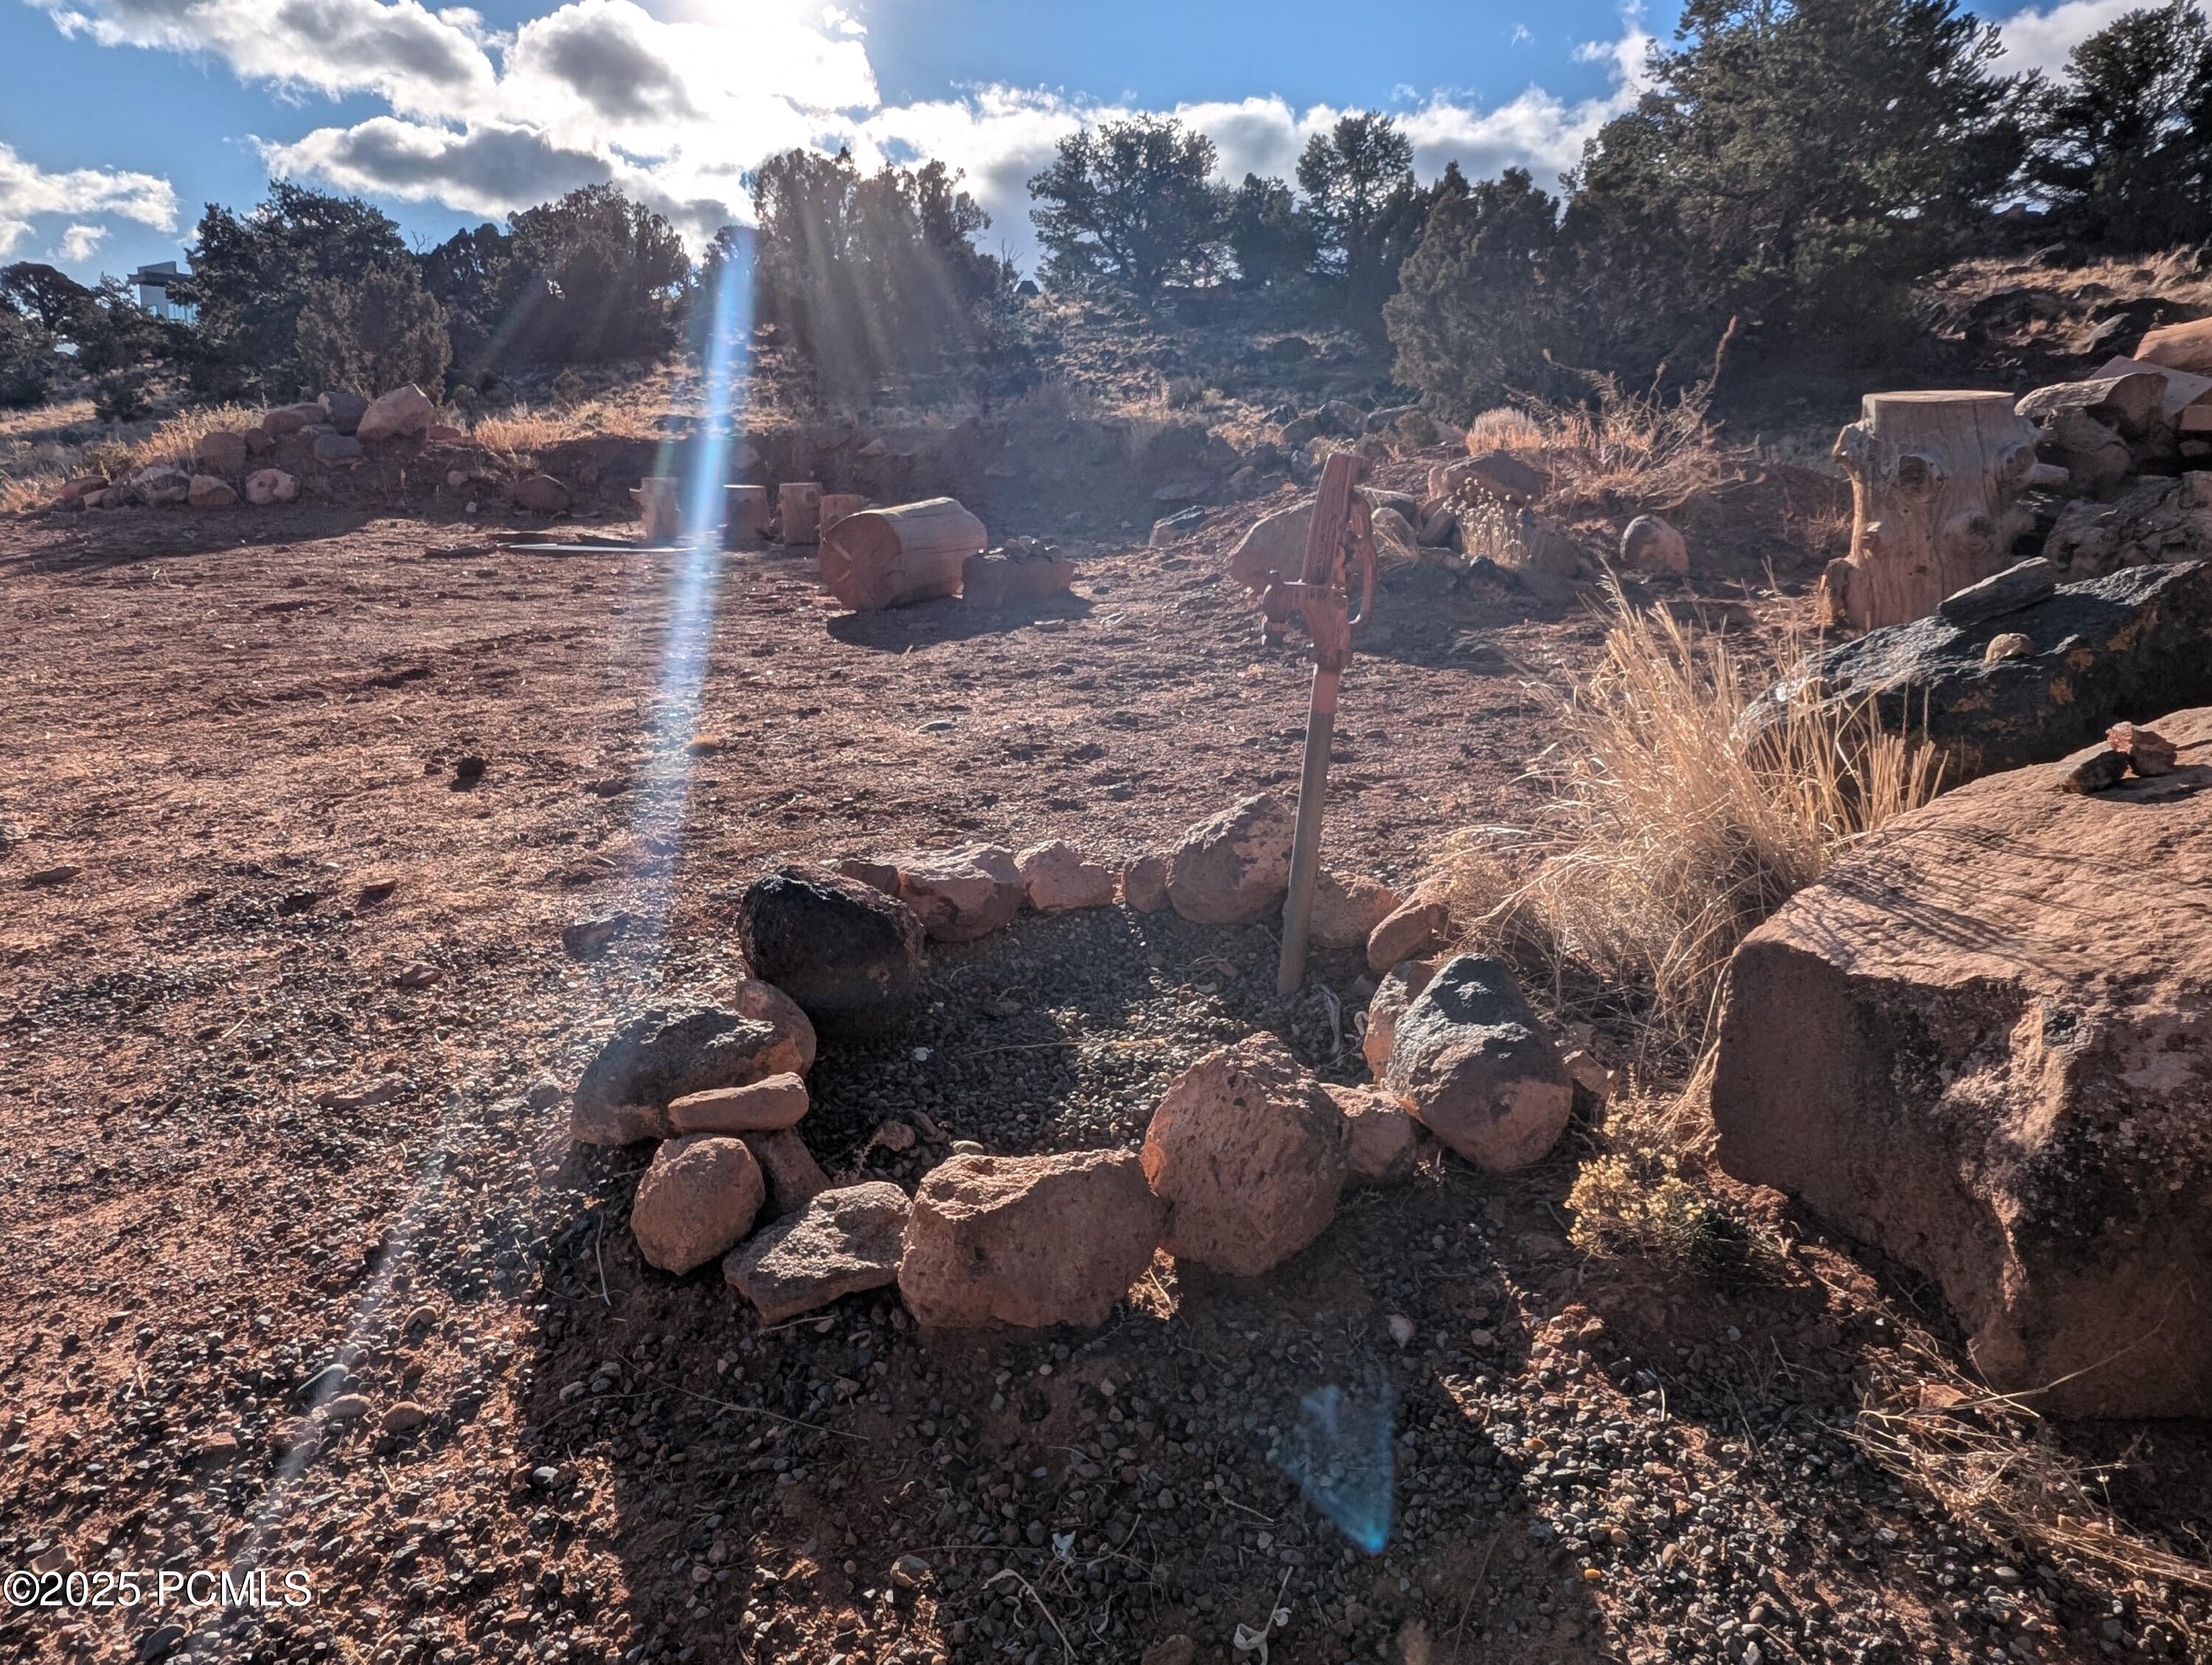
(120, 119)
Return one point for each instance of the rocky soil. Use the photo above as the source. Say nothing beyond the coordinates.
(297, 807)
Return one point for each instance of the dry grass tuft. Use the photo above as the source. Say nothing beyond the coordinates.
(1671, 837)
(1643, 451)
(1504, 428)
(174, 441)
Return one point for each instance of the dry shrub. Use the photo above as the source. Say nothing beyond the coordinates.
(514, 436)
(1184, 393)
(1671, 837)
(1643, 450)
(174, 442)
(1504, 428)
(1489, 530)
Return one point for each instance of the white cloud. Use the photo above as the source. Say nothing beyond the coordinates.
(28, 192)
(79, 244)
(2041, 39)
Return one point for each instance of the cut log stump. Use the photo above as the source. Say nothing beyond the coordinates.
(657, 509)
(799, 504)
(836, 505)
(1936, 479)
(745, 521)
(888, 557)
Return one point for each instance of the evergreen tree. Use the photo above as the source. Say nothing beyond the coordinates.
(1364, 208)
(1272, 242)
(1131, 205)
(375, 332)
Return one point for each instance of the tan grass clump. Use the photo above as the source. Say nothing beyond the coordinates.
(1671, 837)
(1504, 428)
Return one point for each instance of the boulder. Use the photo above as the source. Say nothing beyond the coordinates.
(2154, 519)
(1277, 542)
(2103, 652)
(1418, 927)
(2021, 584)
(404, 412)
(1345, 911)
(1008, 578)
(1247, 1150)
(206, 491)
(844, 1241)
(267, 486)
(1980, 1043)
(1144, 883)
(757, 1107)
(1649, 544)
(666, 1053)
(222, 454)
(1477, 1069)
(1503, 474)
(2094, 459)
(162, 485)
(1027, 1240)
(1400, 986)
(2126, 403)
(794, 1177)
(2177, 389)
(1380, 1141)
(848, 954)
(767, 1003)
(1235, 867)
(2179, 347)
(961, 895)
(697, 1201)
(291, 418)
(1057, 878)
(540, 493)
(331, 448)
(344, 411)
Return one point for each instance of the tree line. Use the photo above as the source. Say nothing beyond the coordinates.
(1792, 167)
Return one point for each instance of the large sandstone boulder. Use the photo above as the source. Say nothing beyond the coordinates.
(1345, 911)
(848, 954)
(406, 410)
(666, 1053)
(2179, 347)
(1057, 878)
(1984, 1043)
(961, 895)
(1249, 1150)
(1235, 867)
(1477, 1069)
(697, 1201)
(1027, 1240)
(2106, 651)
(842, 1242)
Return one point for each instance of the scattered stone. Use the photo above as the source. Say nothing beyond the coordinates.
(1957, 1046)
(2093, 771)
(1031, 1240)
(1345, 911)
(1015, 577)
(764, 1003)
(843, 1240)
(1649, 544)
(346, 1407)
(963, 894)
(1144, 883)
(291, 418)
(1234, 868)
(1176, 1649)
(2149, 753)
(763, 1106)
(1503, 475)
(1417, 928)
(265, 487)
(849, 955)
(1594, 1082)
(1247, 1150)
(1400, 986)
(697, 1201)
(469, 769)
(406, 410)
(543, 1092)
(671, 1052)
(540, 493)
(2021, 584)
(1057, 878)
(1381, 1140)
(60, 874)
(893, 1135)
(161, 486)
(344, 410)
(399, 1418)
(583, 939)
(419, 974)
(334, 447)
(2012, 645)
(1477, 1069)
(794, 1178)
(222, 454)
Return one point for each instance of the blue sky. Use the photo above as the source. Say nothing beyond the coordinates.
(120, 119)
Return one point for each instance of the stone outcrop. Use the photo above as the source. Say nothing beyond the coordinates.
(842, 1242)
(2106, 651)
(1027, 1240)
(697, 1201)
(1235, 867)
(848, 954)
(1984, 1043)
(1247, 1150)
(1477, 1069)
(961, 895)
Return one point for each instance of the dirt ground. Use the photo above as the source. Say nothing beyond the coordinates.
(270, 1095)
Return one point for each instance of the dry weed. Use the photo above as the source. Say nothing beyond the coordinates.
(1504, 428)
(1636, 450)
(514, 436)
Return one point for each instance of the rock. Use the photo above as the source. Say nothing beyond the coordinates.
(1057, 878)
(1417, 928)
(268, 486)
(161, 486)
(332, 447)
(2154, 519)
(2021, 584)
(2102, 652)
(794, 1178)
(208, 492)
(842, 1242)
(346, 1407)
(1234, 868)
(344, 411)
(763, 1106)
(1345, 911)
(765, 1003)
(1247, 1150)
(1962, 1047)
(2149, 753)
(1027, 1240)
(291, 418)
(2098, 770)
(697, 1201)
(2095, 458)
(540, 493)
(1594, 1082)
(1185, 523)
(1400, 987)
(2179, 347)
(397, 1419)
(961, 895)
(2126, 403)
(2010, 646)
(2177, 389)
(222, 453)
(406, 410)
(1503, 475)
(671, 1051)
(1649, 544)
(544, 1091)
(848, 954)
(1001, 577)
(1477, 1069)
(1144, 883)
(585, 938)
(1273, 543)
(877, 875)
(1381, 1140)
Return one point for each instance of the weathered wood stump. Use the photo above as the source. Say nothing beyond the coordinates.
(888, 557)
(745, 520)
(657, 512)
(1936, 477)
(836, 505)
(799, 503)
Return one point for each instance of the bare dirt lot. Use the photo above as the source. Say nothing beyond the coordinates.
(270, 1096)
